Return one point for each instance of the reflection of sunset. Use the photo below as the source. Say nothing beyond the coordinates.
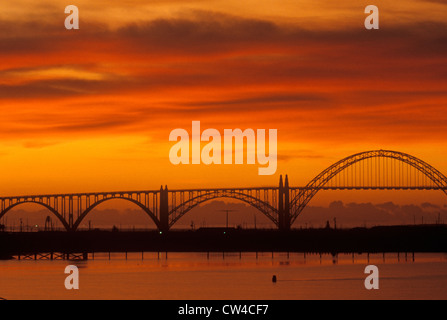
(92, 109)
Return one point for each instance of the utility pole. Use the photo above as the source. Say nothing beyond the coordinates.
(227, 211)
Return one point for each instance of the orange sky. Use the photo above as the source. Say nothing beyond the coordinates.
(92, 109)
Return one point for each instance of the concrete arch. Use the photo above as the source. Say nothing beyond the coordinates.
(57, 214)
(93, 206)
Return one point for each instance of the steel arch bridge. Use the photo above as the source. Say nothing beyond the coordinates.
(371, 170)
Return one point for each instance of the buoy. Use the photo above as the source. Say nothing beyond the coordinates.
(274, 279)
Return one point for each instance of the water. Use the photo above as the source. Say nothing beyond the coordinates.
(195, 276)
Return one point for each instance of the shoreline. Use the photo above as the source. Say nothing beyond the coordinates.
(424, 238)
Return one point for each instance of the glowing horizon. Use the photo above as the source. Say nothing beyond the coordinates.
(92, 109)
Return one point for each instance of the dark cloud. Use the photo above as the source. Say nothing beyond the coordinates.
(211, 32)
(274, 53)
(203, 33)
(300, 154)
(325, 79)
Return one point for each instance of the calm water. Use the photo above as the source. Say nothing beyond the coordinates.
(194, 276)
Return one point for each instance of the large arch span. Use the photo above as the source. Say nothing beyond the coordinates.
(306, 194)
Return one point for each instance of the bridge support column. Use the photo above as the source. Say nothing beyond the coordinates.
(284, 204)
(164, 209)
(70, 213)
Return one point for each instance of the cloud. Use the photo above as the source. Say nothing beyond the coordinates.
(360, 214)
(388, 206)
(201, 33)
(330, 83)
(427, 205)
(300, 154)
(47, 89)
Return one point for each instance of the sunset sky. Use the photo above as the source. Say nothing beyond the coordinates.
(91, 109)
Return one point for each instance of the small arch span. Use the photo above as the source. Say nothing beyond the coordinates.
(54, 212)
(93, 206)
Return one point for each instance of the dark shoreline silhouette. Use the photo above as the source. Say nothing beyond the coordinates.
(424, 238)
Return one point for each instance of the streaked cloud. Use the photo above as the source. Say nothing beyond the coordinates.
(144, 72)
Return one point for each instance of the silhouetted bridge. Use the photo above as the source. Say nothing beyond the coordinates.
(372, 170)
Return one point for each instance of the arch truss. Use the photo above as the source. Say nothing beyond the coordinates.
(263, 199)
(379, 169)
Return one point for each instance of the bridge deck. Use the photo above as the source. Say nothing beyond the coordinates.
(122, 193)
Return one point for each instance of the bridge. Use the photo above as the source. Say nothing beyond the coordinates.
(371, 170)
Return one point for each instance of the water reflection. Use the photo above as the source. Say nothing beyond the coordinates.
(229, 276)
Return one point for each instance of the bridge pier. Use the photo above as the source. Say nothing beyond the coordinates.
(164, 209)
(284, 221)
(70, 223)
